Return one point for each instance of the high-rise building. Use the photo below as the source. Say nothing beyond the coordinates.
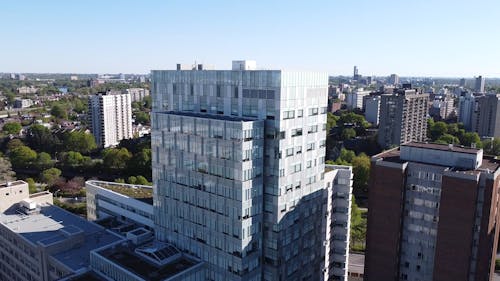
(356, 74)
(238, 167)
(110, 117)
(442, 107)
(486, 117)
(433, 214)
(479, 85)
(466, 108)
(403, 117)
(462, 82)
(394, 79)
(372, 109)
(354, 100)
(137, 94)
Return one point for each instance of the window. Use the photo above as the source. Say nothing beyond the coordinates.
(218, 91)
(296, 168)
(312, 129)
(309, 164)
(313, 111)
(289, 151)
(281, 135)
(288, 114)
(322, 143)
(297, 132)
(310, 146)
(323, 110)
(298, 149)
(300, 113)
(235, 92)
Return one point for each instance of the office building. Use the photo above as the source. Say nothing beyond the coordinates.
(40, 241)
(354, 100)
(394, 79)
(137, 94)
(466, 109)
(479, 85)
(110, 117)
(433, 214)
(372, 109)
(238, 163)
(486, 118)
(403, 117)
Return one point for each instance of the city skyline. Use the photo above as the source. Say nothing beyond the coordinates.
(410, 39)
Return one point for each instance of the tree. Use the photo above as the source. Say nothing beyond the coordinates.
(358, 227)
(119, 180)
(43, 161)
(31, 185)
(72, 158)
(492, 146)
(142, 117)
(59, 112)
(80, 142)
(132, 180)
(361, 171)
(6, 173)
(114, 158)
(50, 176)
(348, 133)
(12, 128)
(22, 156)
(142, 180)
(79, 106)
(447, 139)
(331, 121)
(345, 158)
(14, 143)
(437, 129)
(40, 138)
(471, 138)
(141, 163)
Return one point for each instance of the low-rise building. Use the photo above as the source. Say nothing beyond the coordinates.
(137, 94)
(23, 103)
(40, 241)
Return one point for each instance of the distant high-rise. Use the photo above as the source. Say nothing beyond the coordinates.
(403, 117)
(479, 86)
(354, 100)
(465, 109)
(433, 214)
(394, 79)
(372, 109)
(462, 82)
(356, 74)
(239, 172)
(486, 118)
(110, 118)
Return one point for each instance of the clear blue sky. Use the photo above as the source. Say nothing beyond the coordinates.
(408, 37)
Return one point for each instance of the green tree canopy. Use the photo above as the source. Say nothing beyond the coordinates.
(12, 128)
(141, 163)
(142, 117)
(132, 180)
(361, 171)
(437, 129)
(58, 111)
(41, 139)
(142, 180)
(44, 161)
(114, 158)
(72, 158)
(14, 143)
(31, 185)
(492, 147)
(6, 173)
(80, 142)
(331, 121)
(50, 176)
(22, 156)
(348, 133)
(447, 139)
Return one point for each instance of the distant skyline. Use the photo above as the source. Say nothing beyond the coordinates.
(411, 38)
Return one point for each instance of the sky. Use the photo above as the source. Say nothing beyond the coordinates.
(443, 38)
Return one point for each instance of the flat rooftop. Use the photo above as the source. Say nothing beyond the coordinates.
(127, 259)
(142, 193)
(209, 116)
(454, 148)
(356, 263)
(54, 225)
(12, 183)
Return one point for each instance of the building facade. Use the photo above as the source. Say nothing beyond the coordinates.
(110, 118)
(466, 109)
(486, 117)
(432, 214)
(238, 165)
(356, 99)
(479, 85)
(403, 117)
(372, 109)
(137, 94)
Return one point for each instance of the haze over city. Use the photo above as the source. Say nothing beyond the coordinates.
(411, 38)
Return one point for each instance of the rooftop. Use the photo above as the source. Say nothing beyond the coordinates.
(126, 258)
(142, 193)
(53, 225)
(11, 183)
(453, 148)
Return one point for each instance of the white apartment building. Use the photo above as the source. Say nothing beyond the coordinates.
(137, 94)
(110, 118)
(239, 173)
(355, 99)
